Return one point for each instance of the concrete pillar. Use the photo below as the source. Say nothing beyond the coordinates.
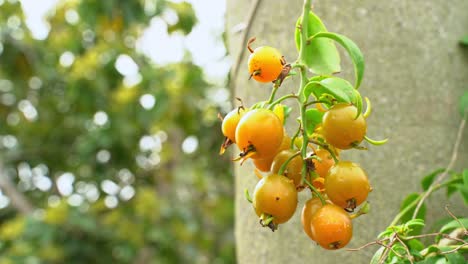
(415, 74)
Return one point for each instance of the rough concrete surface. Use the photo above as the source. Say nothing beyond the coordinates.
(415, 74)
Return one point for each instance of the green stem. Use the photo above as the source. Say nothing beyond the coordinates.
(319, 195)
(285, 164)
(273, 92)
(305, 137)
(295, 136)
(315, 102)
(415, 202)
(279, 100)
(325, 146)
(247, 195)
(304, 28)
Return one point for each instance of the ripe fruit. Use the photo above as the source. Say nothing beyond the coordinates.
(331, 227)
(347, 185)
(340, 127)
(294, 168)
(265, 164)
(265, 64)
(230, 122)
(322, 167)
(309, 209)
(228, 127)
(259, 134)
(275, 195)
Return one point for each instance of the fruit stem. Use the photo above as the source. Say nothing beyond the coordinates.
(375, 142)
(368, 108)
(285, 164)
(305, 137)
(295, 136)
(279, 100)
(314, 190)
(325, 146)
(273, 92)
(247, 195)
(315, 102)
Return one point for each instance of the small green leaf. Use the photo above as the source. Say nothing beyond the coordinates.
(451, 189)
(465, 176)
(429, 179)
(415, 244)
(287, 112)
(463, 189)
(407, 217)
(453, 225)
(464, 104)
(377, 255)
(318, 78)
(386, 233)
(464, 41)
(353, 51)
(339, 88)
(313, 118)
(416, 254)
(415, 222)
(320, 56)
(455, 258)
(431, 260)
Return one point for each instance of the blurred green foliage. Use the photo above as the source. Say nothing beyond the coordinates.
(67, 113)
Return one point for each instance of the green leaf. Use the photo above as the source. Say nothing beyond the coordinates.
(453, 225)
(313, 118)
(456, 179)
(464, 41)
(416, 254)
(339, 88)
(320, 56)
(465, 176)
(432, 249)
(430, 260)
(455, 258)
(415, 244)
(287, 112)
(463, 189)
(353, 51)
(464, 103)
(407, 217)
(386, 233)
(414, 223)
(429, 179)
(376, 258)
(451, 189)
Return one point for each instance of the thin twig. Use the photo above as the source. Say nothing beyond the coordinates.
(410, 257)
(455, 249)
(454, 217)
(245, 34)
(387, 249)
(433, 234)
(442, 176)
(377, 242)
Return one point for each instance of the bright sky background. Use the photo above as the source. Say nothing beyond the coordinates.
(204, 42)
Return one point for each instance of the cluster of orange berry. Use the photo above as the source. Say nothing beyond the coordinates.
(304, 161)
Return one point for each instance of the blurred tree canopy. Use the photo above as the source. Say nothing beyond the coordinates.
(104, 156)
